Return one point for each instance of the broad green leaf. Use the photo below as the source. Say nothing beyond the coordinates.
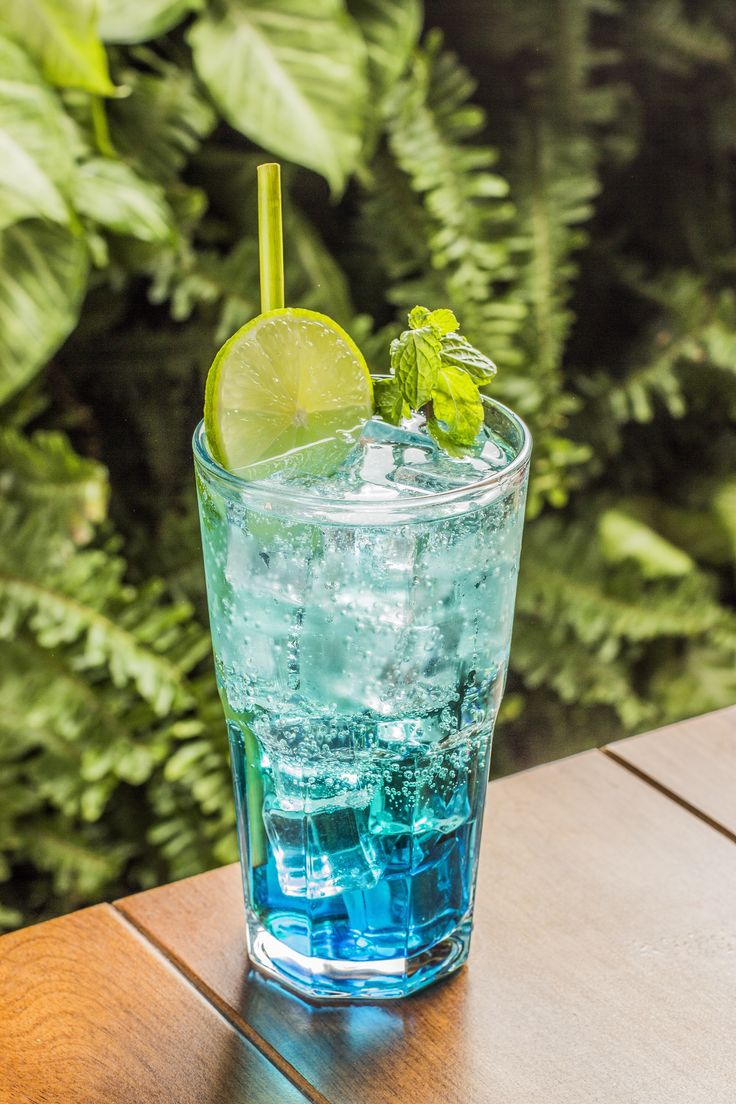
(43, 274)
(415, 359)
(391, 29)
(459, 353)
(623, 537)
(456, 402)
(61, 36)
(291, 75)
(389, 401)
(113, 195)
(35, 142)
(139, 20)
(418, 317)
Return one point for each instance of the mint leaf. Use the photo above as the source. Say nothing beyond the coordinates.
(444, 439)
(459, 353)
(443, 320)
(390, 403)
(436, 370)
(416, 360)
(418, 317)
(456, 402)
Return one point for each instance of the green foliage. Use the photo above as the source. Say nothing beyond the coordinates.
(43, 271)
(391, 32)
(436, 371)
(34, 139)
(110, 194)
(416, 357)
(464, 217)
(62, 37)
(43, 471)
(129, 22)
(291, 75)
(573, 202)
(457, 405)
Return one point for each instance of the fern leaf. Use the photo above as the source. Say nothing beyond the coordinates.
(466, 210)
(43, 469)
(164, 119)
(565, 580)
(77, 598)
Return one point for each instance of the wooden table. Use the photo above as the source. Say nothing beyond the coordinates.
(603, 966)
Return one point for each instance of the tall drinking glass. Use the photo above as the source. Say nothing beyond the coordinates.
(361, 626)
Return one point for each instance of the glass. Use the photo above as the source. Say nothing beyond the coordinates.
(361, 649)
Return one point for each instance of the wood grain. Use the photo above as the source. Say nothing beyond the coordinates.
(694, 760)
(603, 966)
(90, 1013)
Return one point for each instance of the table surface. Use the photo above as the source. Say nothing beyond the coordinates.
(602, 969)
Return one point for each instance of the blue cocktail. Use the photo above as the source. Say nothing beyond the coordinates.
(361, 624)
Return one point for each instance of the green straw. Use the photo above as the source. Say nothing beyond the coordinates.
(270, 237)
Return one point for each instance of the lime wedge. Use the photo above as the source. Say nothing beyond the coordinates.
(290, 391)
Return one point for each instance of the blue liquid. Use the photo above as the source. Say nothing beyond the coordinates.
(384, 872)
(361, 668)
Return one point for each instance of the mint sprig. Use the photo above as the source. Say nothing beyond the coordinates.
(436, 371)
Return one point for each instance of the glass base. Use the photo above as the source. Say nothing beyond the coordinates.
(325, 979)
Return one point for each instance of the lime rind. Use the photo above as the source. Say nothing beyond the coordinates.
(289, 399)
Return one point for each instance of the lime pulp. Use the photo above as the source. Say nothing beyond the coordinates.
(290, 391)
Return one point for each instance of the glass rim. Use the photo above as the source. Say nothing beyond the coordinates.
(270, 497)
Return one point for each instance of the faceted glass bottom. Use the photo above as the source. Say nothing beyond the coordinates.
(332, 979)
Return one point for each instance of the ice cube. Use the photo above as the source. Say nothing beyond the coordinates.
(440, 889)
(378, 918)
(447, 789)
(257, 624)
(322, 771)
(431, 470)
(394, 801)
(443, 808)
(287, 833)
(357, 647)
(322, 848)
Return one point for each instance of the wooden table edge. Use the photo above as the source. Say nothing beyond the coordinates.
(154, 957)
(614, 751)
(192, 979)
(248, 1031)
(268, 1050)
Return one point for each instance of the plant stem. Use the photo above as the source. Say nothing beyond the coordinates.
(100, 127)
(270, 237)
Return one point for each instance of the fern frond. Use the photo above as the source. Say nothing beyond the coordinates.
(564, 580)
(43, 469)
(164, 119)
(466, 212)
(82, 863)
(692, 334)
(224, 286)
(662, 32)
(68, 597)
(553, 657)
(694, 680)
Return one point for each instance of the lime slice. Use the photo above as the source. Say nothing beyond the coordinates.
(290, 391)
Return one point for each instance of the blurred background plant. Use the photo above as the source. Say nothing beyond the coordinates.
(572, 199)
